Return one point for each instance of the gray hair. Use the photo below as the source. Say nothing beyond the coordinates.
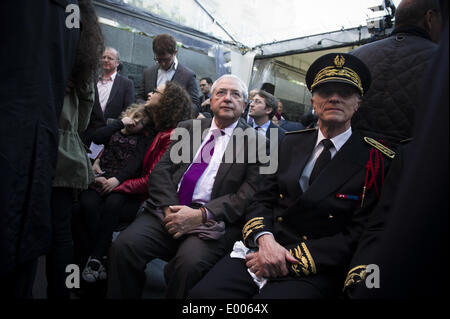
(114, 50)
(242, 85)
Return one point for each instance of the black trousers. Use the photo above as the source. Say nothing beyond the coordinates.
(229, 279)
(189, 258)
(61, 252)
(18, 284)
(101, 216)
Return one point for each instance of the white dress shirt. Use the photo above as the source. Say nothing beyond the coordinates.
(104, 87)
(203, 188)
(167, 75)
(338, 141)
(263, 128)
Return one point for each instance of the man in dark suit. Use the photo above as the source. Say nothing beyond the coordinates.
(190, 202)
(305, 220)
(262, 108)
(113, 94)
(168, 69)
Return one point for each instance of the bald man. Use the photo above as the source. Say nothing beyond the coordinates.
(398, 66)
(113, 94)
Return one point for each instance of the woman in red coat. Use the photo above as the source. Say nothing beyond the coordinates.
(167, 105)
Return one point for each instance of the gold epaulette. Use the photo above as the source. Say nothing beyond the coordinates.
(306, 265)
(355, 275)
(407, 140)
(252, 225)
(301, 131)
(383, 149)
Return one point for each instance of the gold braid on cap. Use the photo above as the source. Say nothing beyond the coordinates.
(343, 74)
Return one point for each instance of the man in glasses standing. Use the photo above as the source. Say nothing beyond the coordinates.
(167, 69)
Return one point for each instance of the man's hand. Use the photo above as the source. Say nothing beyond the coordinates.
(270, 260)
(109, 184)
(180, 219)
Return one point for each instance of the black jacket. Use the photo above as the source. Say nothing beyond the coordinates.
(318, 226)
(120, 97)
(398, 67)
(183, 76)
(36, 60)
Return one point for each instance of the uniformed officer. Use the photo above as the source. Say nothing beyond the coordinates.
(305, 220)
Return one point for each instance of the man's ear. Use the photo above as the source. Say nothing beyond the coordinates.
(358, 104)
(313, 104)
(427, 20)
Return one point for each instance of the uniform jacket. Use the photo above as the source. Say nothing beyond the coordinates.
(183, 76)
(376, 225)
(320, 229)
(413, 247)
(120, 97)
(233, 188)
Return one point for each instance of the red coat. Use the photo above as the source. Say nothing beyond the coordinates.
(139, 185)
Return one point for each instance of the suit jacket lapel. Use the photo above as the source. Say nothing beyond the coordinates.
(177, 75)
(302, 147)
(348, 161)
(268, 131)
(154, 79)
(114, 89)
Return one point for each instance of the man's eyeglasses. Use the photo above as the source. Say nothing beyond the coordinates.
(154, 91)
(257, 101)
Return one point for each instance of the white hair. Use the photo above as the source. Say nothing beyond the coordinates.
(242, 85)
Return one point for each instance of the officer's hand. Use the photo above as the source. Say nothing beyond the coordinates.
(270, 260)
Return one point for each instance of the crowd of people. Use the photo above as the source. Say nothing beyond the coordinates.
(183, 176)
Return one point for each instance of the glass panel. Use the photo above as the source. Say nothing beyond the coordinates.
(255, 22)
(288, 73)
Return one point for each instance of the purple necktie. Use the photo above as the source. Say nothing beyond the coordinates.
(196, 170)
